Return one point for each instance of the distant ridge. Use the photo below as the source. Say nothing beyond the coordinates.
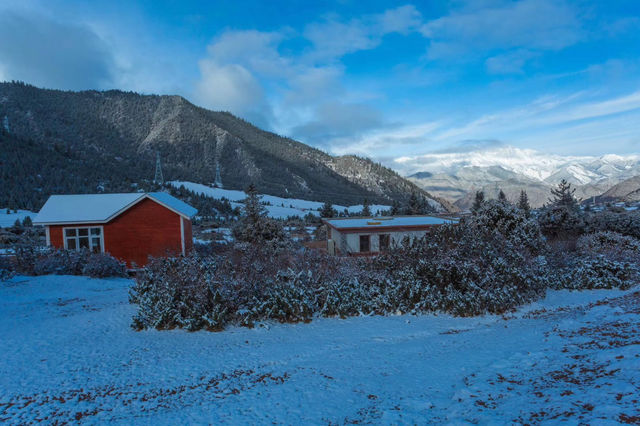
(457, 176)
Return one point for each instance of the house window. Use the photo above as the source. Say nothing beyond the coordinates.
(364, 243)
(384, 242)
(89, 238)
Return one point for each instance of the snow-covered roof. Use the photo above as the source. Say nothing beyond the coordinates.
(173, 203)
(101, 208)
(387, 222)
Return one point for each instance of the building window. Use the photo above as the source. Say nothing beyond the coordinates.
(89, 238)
(384, 242)
(364, 243)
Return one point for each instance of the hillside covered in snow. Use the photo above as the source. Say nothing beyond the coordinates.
(277, 207)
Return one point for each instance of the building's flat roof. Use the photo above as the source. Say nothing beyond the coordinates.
(100, 208)
(387, 222)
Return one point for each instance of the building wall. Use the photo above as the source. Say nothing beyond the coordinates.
(350, 242)
(146, 229)
(188, 235)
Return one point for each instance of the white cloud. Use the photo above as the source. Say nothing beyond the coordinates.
(336, 120)
(246, 72)
(529, 24)
(257, 50)
(227, 87)
(44, 52)
(333, 38)
(509, 62)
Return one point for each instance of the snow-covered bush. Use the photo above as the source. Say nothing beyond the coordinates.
(7, 268)
(100, 265)
(175, 292)
(611, 245)
(597, 273)
(625, 222)
(26, 256)
(601, 260)
(512, 223)
(60, 262)
(468, 269)
(36, 260)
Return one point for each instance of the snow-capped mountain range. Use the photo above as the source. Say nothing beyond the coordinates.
(457, 175)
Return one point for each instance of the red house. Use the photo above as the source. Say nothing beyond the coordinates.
(130, 227)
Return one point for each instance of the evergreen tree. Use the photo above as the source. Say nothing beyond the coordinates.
(502, 196)
(254, 210)
(562, 218)
(254, 225)
(366, 210)
(523, 203)
(395, 208)
(27, 221)
(328, 210)
(563, 196)
(478, 201)
(415, 206)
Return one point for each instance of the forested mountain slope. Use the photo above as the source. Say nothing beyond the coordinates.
(57, 141)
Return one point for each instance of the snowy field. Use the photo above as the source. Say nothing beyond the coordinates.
(280, 208)
(7, 220)
(68, 354)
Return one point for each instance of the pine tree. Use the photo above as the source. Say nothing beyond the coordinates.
(395, 208)
(328, 210)
(502, 196)
(478, 201)
(254, 225)
(523, 203)
(253, 208)
(414, 207)
(563, 196)
(27, 221)
(366, 210)
(562, 218)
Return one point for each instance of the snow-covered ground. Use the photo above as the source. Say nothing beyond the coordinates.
(7, 220)
(67, 353)
(279, 207)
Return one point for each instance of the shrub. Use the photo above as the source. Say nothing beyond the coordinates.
(625, 222)
(611, 245)
(26, 256)
(60, 262)
(597, 273)
(31, 259)
(100, 265)
(6, 268)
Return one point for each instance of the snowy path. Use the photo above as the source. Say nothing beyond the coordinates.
(67, 353)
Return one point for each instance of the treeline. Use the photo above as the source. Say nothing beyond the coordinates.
(99, 132)
(30, 172)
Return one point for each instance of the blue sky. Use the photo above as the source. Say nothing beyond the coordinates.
(381, 79)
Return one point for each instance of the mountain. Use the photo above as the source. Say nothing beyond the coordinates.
(57, 141)
(627, 190)
(456, 176)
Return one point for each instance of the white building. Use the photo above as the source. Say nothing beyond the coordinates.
(372, 235)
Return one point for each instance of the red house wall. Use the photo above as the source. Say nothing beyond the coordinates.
(188, 236)
(55, 236)
(146, 229)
